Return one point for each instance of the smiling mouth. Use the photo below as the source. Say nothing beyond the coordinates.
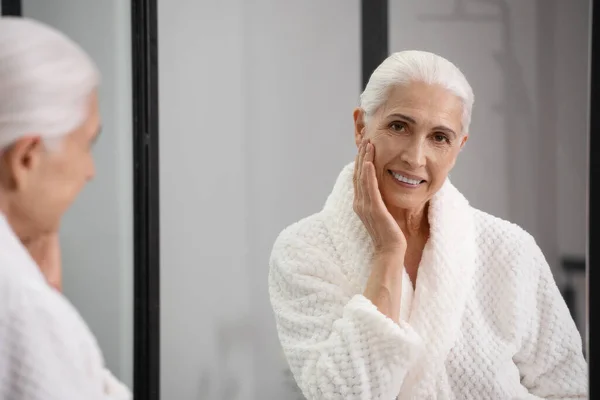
(406, 180)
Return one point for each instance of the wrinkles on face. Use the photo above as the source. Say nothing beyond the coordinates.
(417, 132)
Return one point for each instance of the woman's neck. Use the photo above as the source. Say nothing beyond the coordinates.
(413, 222)
(18, 225)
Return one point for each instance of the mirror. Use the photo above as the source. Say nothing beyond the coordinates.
(97, 232)
(259, 122)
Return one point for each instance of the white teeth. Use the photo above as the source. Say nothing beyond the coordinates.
(405, 179)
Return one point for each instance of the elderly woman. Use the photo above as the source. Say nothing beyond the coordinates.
(49, 120)
(398, 287)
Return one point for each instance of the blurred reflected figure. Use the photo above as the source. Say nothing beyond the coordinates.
(398, 287)
(49, 120)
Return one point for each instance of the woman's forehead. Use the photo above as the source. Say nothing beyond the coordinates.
(422, 101)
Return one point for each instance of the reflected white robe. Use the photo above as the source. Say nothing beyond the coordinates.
(47, 351)
(485, 321)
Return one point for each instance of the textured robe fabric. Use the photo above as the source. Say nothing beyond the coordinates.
(484, 321)
(46, 350)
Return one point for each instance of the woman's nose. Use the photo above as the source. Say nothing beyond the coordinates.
(414, 153)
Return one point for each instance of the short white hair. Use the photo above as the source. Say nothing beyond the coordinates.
(45, 81)
(409, 66)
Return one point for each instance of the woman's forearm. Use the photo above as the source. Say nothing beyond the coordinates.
(384, 287)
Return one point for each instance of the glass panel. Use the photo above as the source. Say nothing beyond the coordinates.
(97, 232)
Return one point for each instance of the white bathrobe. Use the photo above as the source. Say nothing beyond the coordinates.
(485, 320)
(46, 350)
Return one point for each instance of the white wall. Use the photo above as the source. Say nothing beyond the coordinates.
(255, 124)
(204, 273)
(96, 234)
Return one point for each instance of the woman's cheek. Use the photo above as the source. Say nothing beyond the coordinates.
(378, 136)
(379, 160)
(382, 143)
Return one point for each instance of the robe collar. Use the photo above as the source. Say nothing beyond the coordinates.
(445, 274)
(15, 256)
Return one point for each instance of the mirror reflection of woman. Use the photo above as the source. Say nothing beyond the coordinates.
(49, 121)
(398, 287)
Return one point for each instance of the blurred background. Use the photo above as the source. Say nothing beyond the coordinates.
(256, 101)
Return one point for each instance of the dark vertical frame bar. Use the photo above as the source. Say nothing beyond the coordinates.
(146, 385)
(12, 8)
(593, 245)
(144, 31)
(374, 36)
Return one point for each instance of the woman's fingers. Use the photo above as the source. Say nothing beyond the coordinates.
(372, 186)
(365, 199)
(358, 187)
(364, 179)
(361, 155)
(369, 172)
(355, 181)
(369, 153)
(370, 207)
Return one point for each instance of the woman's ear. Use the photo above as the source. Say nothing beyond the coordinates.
(19, 160)
(359, 125)
(463, 141)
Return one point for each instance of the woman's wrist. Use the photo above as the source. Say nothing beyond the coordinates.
(387, 269)
(389, 257)
(384, 287)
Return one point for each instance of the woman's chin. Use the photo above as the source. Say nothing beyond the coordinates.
(403, 201)
(399, 196)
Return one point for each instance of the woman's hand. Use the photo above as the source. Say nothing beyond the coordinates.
(46, 253)
(384, 286)
(387, 236)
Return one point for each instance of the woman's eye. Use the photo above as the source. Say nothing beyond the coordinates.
(440, 138)
(397, 126)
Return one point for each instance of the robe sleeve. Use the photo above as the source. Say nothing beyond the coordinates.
(338, 345)
(41, 358)
(551, 358)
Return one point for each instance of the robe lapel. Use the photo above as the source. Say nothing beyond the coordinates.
(13, 254)
(434, 309)
(443, 283)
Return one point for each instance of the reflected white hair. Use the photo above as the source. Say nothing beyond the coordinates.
(45, 82)
(409, 66)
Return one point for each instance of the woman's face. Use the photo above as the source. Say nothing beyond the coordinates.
(41, 184)
(417, 135)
